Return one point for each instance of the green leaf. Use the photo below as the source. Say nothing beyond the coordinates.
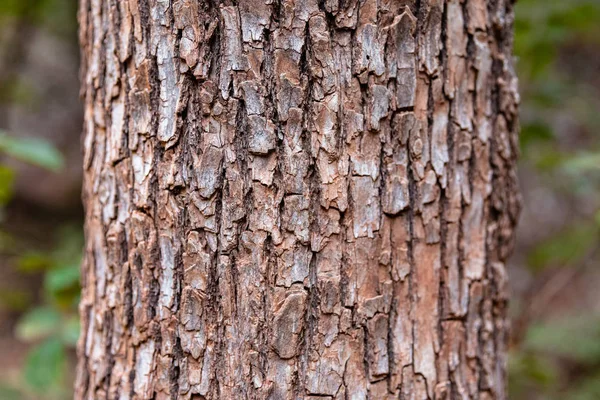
(58, 16)
(38, 323)
(15, 299)
(9, 393)
(45, 365)
(18, 91)
(62, 278)
(582, 162)
(33, 262)
(70, 331)
(13, 8)
(534, 367)
(567, 247)
(577, 339)
(535, 132)
(35, 151)
(69, 245)
(531, 373)
(7, 178)
(546, 158)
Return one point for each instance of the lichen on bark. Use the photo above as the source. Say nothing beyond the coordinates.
(296, 199)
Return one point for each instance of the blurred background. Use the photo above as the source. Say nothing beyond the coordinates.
(555, 271)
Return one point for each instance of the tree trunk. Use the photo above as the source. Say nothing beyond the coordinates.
(297, 200)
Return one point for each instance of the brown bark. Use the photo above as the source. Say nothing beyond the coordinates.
(297, 200)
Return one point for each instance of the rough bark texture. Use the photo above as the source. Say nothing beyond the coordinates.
(297, 199)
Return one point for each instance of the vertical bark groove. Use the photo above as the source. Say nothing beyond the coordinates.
(297, 199)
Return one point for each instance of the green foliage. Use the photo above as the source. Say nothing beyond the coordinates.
(582, 163)
(565, 248)
(55, 323)
(69, 332)
(530, 371)
(45, 366)
(52, 328)
(15, 299)
(577, 339)
(35, 151)
(560, 358)
(38, 323)
(542, 26)
(33, 261)
(57, 16)
(18, 91)
(9, 393)
(62, 279)
(535, 368)
(7, 177)
(535, 132)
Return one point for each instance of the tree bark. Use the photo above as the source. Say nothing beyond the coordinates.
(297, 199)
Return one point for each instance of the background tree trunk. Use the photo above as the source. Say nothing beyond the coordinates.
(299, 199)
